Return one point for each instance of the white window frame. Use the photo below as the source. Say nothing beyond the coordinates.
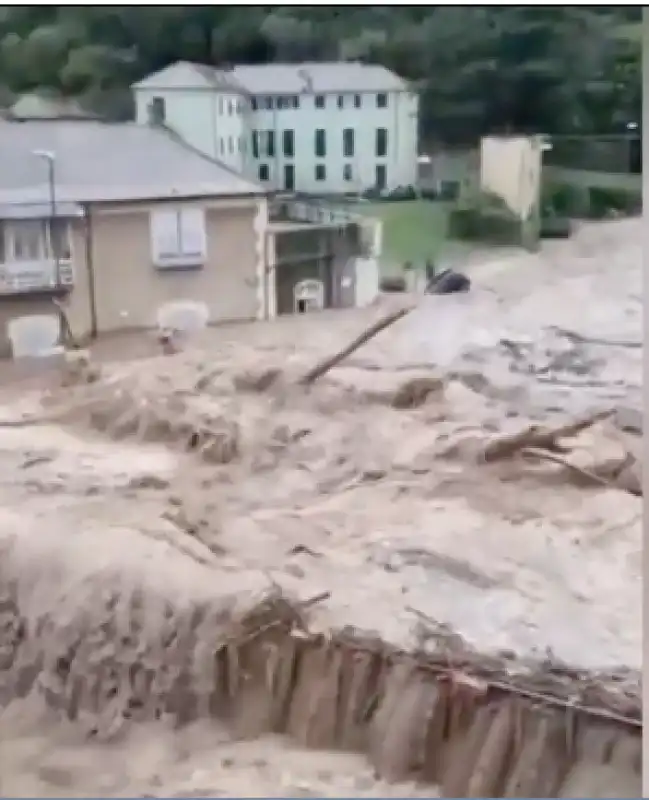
(178, 238)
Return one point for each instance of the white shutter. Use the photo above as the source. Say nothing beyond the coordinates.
(193, 240)
(165, 243)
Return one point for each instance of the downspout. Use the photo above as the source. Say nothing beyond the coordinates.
(90, 268)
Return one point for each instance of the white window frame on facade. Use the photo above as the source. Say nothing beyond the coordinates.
(264, 172)
(178, 238)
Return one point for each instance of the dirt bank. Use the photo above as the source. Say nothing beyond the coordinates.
(113, 531)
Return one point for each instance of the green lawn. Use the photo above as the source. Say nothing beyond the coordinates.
(413, 230)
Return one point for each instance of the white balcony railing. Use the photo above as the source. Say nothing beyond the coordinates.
(34, 276)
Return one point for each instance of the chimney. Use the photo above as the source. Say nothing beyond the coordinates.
(306, 77)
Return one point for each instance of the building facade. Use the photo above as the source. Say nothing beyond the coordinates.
(318, 128)
(115, 220)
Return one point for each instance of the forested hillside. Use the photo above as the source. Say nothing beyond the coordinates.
(557, 69)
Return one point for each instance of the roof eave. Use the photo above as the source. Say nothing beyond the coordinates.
(71, 196)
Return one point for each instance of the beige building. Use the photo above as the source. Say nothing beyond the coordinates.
(120, 218)
(117, 219)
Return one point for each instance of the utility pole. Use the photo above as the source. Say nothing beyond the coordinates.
(50, 159)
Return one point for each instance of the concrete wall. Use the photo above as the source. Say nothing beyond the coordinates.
(320, 253)
(510, 168)
(129, 288)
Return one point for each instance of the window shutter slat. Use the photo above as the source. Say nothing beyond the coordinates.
(192, 232)
(164, 235)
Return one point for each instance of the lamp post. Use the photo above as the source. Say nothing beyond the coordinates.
(49, 157)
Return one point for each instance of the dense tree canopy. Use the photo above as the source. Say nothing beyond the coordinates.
(557, 69)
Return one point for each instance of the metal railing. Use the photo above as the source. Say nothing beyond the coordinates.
(35, 276)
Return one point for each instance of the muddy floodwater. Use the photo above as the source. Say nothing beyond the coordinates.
(360, 489)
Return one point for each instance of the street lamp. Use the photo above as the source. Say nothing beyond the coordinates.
(50, 158)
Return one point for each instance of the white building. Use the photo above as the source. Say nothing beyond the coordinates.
(317, 128)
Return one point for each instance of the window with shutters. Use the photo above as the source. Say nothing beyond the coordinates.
(348, 142)
(270, 144)
(320, 143)
(381, 142)
(288, 143)
(178, 238)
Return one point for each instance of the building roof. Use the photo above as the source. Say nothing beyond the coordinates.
(338, 76)
(104, 162)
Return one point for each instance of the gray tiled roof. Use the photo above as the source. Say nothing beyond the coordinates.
(337, 76)
(98, 161)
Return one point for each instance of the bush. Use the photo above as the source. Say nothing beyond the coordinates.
(596, 202)
(449, 190)
(402, 193)
(371, 194)
(555, 227)
(484, 225)
(392, 283)
(430, 194)
(606, 202)
(485, 217)
(566, 200)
